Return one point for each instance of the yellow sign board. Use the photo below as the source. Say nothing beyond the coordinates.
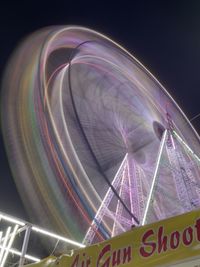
(164, 243)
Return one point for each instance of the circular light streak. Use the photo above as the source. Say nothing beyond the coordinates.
(83, 122)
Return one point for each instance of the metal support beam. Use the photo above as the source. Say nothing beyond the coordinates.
(155, 176)
(103, 209)
(25, 245)
(186, 146)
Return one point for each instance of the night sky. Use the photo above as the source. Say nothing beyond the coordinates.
(163, 35)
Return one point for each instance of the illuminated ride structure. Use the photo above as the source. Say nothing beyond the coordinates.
(20, 241)
(101, 145)
(128, 182)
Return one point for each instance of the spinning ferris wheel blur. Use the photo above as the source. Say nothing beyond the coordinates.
(99, 145)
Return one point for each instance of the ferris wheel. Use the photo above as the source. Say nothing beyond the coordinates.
(96, 143)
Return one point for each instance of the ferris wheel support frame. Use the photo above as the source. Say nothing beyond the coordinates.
(164, 137)
(169, 136)
(183, 192)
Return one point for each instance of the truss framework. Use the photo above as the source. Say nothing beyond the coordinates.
(128, 182)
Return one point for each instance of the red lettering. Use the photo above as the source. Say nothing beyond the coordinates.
(75, 262)
(162, 240)
(152, 245)
(83, 262)
(88, 263)
(106, 263)
(174, 240)
(127, 255)
(197, 225)
(188, 236)
(116, 258)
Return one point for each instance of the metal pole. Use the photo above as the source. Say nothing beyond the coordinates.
(155, 176)
(25, 245)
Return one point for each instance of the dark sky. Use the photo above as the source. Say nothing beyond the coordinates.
(163, 35)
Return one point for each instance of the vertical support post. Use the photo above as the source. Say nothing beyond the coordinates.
(25, 245)
(155, 176)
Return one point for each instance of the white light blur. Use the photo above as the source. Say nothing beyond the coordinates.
(4, 243)
(18, 253)
(11, 219)
(44, 232)
(9, 245)
(40, 230)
